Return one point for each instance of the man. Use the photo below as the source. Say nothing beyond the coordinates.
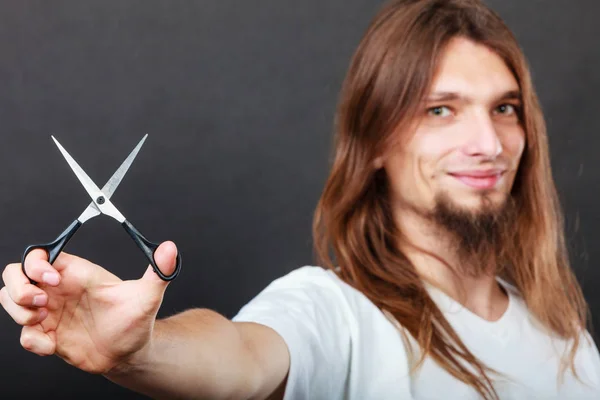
(451, 278)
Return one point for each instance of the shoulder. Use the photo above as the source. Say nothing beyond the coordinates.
(313, 279)
(324, 285)
(308, 308)
(312, 287)
(312, 294)
(308, 288)
(309, 274)
(335, 335)
(315, 295)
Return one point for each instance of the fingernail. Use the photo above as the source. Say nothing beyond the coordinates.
(50, 278)
(39, 300)
(43, 314)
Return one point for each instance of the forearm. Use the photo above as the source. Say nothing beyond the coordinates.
(197, 354)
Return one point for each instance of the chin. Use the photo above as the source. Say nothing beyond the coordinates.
(482, 202)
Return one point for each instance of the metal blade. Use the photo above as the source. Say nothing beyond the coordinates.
(98, 197)
(111, 185)
(109, 188)
(90, 212)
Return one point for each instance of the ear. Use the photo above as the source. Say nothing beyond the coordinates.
(378, 163)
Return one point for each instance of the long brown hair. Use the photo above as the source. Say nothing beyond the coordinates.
(354, 231)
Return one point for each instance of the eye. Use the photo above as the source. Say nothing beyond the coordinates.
(439, 111)
(506, 109)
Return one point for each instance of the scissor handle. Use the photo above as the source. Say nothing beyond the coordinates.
(53, 248)
(148, 248)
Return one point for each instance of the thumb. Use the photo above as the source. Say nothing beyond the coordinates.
(165, 258)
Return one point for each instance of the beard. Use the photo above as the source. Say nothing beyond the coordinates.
(478, 238)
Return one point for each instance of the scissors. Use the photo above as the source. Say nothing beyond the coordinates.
(101, 204)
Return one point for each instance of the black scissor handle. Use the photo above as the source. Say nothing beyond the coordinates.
(149, 248)
(53, 248)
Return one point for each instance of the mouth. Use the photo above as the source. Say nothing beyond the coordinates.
(479, 179)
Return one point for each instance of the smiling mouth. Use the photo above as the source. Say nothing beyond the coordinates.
(479, 180)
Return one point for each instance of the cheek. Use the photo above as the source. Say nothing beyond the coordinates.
(514, 143)
(433, 150)
(412, 172)
(400, 171)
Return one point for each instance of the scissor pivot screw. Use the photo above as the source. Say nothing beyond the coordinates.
(100, 200)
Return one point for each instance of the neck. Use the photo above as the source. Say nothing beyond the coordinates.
(434, 259)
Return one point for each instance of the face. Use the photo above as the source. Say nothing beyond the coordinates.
(468, 139)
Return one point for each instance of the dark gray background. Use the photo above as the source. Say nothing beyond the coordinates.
(238, 99)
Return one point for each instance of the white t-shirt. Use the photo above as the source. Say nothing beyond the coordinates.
(343, 347)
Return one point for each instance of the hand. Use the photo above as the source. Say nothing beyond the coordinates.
(83, 313)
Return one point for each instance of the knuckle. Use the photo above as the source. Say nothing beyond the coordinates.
(23, 318)
(5, 272)
(9, 271)
(65, 259)
(26, 341)
(18, 295)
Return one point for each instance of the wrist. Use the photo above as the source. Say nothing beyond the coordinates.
(134, 363)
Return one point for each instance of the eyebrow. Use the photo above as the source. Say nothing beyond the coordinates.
(452, 96)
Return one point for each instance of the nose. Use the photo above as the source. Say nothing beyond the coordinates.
(483, 139)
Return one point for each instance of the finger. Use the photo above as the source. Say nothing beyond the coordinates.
(65, 259)
(34, 339)
(20, 290)
(21, 315)
(165, 257)
(39, 269)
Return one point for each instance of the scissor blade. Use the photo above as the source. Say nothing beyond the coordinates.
(105, 206)
(111, 185)
(90, 212)
(85, 180)
(109, 188)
